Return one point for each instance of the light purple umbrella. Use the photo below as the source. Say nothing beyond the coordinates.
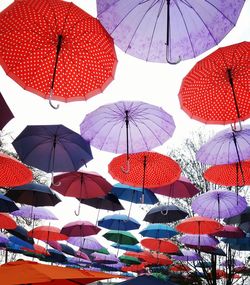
(3, 238)
(168, 31)
(234, 263)
(127, 127)
(36, 213)
(188, 255)
(219, 204)
(85, 242)
(78, 260)
(104, 258)
(226, 147)
(198, 240)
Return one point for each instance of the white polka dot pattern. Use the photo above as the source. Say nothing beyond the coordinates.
(29, 33)
(206, 93)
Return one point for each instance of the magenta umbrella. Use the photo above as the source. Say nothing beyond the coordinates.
(219, 204)
(230, 232)
(80, 228)
(181, 188)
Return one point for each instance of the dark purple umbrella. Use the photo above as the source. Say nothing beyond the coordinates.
(230, 232)
(226, 147)
(168, 31)
(62, 247)
(127, 127)
(6, 114)
(52, 148)
(79, 229)
(198, 240)
(181, 188)
(36, 213)
(219, 204)
(85, 242)
(187, 255)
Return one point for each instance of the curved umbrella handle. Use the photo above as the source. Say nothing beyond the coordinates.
(127, 169)
(50, 100)
(52, 180)
(174, 62)
(77, 213)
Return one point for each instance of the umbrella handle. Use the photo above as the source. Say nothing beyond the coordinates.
(127, 169)
(50, 100)
(174, 62)
(77, 213)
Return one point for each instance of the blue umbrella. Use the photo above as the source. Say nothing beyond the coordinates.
(7, 205)
(241, 244)
(158, 231)
(127, 247)
(118, 222)
(20, 242)
(21, 233)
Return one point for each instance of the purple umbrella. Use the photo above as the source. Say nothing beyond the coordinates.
(188, 255)
(233, 262)
(77, 260)
(3, 238)
(226, 147)
(104, 258)
(85, 242)
(168, 31)
(219, 204)
(6, 114)
(127, 126)
(36, 213)
(201, 240)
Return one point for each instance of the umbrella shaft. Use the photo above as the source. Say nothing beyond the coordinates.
(58, 48)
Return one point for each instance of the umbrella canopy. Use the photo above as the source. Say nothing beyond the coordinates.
(134, 194)
(133, 248)
(199, 225)
(21, 242)
(188, 255)
(6, 114)
(36, 213)
(79, 229)
(147, 169)
(127, 126)
(47, 233)
(241, 244)
(52, 148)
(147, 280)
(165, 214)
(129, 260)
(167, 31)
(233, 263)
(219, 204)
(7, 205)
(235, 174)
(199, 240)
(118, 222)
(121, 237)
(13, 173)
(158, 231)
(216, 89)
(181, 188)
(21, 233)
(159, 245)
(51, 50)
(7, 222)
(230, 232)
(85, 242)
(226, 147)
(34, 194)
(62, 247)
(104, 258)
(243, 217)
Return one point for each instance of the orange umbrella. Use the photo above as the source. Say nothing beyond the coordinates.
(159, 245)
(7, 222)
(13, 173)
(47, 233)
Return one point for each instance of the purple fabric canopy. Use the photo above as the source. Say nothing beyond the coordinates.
(234, 263)
(104, 258)
(36, 213)
(148, 127)
(168, 31)
(188, 255)
(219, 204)
(201, 240)
(226, 147)
(85, 242)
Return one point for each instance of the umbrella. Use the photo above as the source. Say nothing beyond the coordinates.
(147, 169)
(121, 237)
(165, 214)
(241, 244)
(245, 227)
(7, 205)
(3, 238)
(158, 231)
(219, 204)
(146, 280)
(230, 232)
(127, 126)
(188, 255)
(82, 185)
(233, 262)
(21, 242)
(62, 247)
(6, 114)
(13, 173)
(216, 89)
(104, 258)
(118, 222)
(198, 225)
(21, 233)
(85, 242)
(52, 148)
(33, 194)
(226, 147)
(235, 174)
(199, 240)
(129, 260)
(47, 233)
(55, 256)
(79, 229)
(159, 245)
(36, 213)
(181, 188)
(69, 56)
(134, 248)
(7, 222)
(167, 31)
(242, 217)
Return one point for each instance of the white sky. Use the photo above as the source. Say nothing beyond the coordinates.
(135, 79)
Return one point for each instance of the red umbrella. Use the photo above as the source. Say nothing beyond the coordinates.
(199, 225)
(216, 90)
(7, 222)
(234, 174)
(159, 245)
(147, 169)
(179, 267)
(68, 56)
(80, 229)
(230, 232)
(47, 233)
(13, 173)
(38, 249)
(134, 267)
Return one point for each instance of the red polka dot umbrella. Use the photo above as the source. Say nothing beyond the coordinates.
(13, 173)
(216, 90)
(159, 245)
(61, 52)
(147, 169)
